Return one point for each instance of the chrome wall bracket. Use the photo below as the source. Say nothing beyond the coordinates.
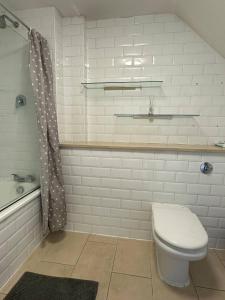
(21, 100)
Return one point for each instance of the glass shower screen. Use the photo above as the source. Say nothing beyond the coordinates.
(19, 154)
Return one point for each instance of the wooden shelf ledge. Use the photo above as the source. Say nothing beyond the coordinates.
(141, 147)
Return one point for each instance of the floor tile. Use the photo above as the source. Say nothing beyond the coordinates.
(126, 287)
(45, 268)
(162, 291)
(209, 272)
(210, 294)
(102, 239)
(64, 247)
(95, 263)
(221, 254)
(133, 257)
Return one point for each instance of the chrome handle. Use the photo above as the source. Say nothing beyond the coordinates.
(206, 168)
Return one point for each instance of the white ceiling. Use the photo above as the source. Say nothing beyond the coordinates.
(99, 9)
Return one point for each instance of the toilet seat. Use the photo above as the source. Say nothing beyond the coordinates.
(190, 255)
(178, 227)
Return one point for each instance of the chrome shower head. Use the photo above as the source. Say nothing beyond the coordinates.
(2, 22)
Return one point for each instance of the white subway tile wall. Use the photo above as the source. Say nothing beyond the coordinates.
(49, 23)
(20, 234)
(155, 47)
(18, 128)
(74, 72)
(111, 192)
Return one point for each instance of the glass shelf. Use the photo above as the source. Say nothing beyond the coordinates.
(121, 85)
(154, 116)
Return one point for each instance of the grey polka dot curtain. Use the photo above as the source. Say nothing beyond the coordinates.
(52, 191)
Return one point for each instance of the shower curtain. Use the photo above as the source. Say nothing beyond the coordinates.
(52, 191)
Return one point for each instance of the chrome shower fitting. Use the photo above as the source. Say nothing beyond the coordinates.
(21, 100)
(28, 178)
(3, 24)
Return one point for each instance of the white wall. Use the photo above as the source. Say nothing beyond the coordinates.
(111, 192)
(207, 18)
(74, 56)
(49, 23)
(157, 47)
(20, 234)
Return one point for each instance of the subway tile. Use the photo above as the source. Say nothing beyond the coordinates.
(175, 27)
(132, 51)
(153, 28)
(19, 237)
(199, 189)
(133, 30)
(144, 19)
(175, 187)
(105, 42)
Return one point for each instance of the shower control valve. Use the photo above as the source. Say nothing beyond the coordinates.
(206, 168)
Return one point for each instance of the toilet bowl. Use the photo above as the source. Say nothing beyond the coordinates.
(180, 238)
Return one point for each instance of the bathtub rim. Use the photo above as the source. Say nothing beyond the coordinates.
(8, 211)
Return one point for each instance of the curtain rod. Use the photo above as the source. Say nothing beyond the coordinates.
(17, 18)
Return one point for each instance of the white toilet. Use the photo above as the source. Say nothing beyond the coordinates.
(179, 237)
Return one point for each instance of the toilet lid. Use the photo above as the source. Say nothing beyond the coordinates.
(178, 226)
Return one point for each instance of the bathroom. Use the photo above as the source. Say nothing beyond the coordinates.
(132, 180)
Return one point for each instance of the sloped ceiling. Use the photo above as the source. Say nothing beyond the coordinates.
(67, 8)
(206, 17)
(95, 9)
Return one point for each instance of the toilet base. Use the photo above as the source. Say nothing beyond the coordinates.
(172, 270)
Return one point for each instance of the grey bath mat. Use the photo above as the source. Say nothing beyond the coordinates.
(33, 286)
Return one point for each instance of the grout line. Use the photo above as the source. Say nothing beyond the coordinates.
(82, 250)
(100, 242)
(194, 287)
(133, 275)
(219, 258)
(208, 288)
(151, 256)
(196, 292)
(211, 289)
(112, 269)
(56, 263)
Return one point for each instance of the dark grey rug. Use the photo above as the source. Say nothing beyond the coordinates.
(33, 286)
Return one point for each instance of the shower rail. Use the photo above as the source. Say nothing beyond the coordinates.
(17, 18)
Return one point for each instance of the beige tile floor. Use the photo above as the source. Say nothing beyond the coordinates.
(125, 269)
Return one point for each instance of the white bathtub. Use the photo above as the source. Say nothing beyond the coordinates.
(9, 192)
(20, 227)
